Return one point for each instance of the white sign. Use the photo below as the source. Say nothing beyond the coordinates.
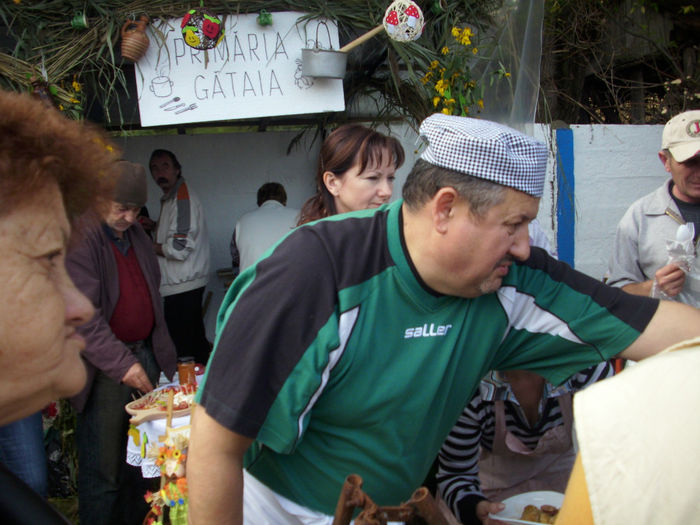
(255, 71)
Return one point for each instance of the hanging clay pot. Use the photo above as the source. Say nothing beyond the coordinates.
(134, 39)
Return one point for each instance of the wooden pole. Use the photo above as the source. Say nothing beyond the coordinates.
(362, 38)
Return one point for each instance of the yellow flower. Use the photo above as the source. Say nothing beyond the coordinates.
(465, 37)
(450, 102)
(445, 50)
(74, 100)
(441, 86)
(475, 51)
(456, 32)
(77, 87)
(480, 102)
(436, 100)
(60, 106)
(19, 2)
(434, 64)
(507, 74)
(446, 111)
(427, 77)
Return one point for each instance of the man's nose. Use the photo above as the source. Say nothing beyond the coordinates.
(131, 216)
(520, 249)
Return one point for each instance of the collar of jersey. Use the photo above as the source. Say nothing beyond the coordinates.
(420, 292)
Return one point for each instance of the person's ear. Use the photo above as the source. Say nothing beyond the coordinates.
(665, 158)
(332, 183)
(444, 202)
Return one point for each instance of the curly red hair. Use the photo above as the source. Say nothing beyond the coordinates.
(39, 146)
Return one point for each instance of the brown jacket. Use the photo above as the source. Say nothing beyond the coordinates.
(92, 266)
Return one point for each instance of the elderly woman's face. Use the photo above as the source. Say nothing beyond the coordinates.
(39, 347)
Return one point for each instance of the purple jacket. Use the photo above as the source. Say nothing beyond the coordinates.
(92, 267)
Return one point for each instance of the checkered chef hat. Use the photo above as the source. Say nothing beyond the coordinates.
(486, 150)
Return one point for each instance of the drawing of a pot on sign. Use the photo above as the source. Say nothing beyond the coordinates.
(161, 86)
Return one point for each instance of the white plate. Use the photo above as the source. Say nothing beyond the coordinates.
(516, 504)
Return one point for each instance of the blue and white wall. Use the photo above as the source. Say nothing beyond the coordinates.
(604, 168)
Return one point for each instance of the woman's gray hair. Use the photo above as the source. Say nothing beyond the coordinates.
(426, 179)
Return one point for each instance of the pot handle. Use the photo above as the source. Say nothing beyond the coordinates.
(129, 24)
(139, 25)
(328, 31)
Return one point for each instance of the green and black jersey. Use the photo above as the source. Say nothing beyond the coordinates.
(338, 359)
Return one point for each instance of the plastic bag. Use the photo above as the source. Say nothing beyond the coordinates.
(681, 252)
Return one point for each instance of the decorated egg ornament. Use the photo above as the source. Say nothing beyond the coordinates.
(201, 29)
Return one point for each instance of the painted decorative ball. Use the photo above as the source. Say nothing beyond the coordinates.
(201, 29)
(403, 21)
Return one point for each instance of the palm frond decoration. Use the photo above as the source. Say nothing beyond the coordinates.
(83, 66)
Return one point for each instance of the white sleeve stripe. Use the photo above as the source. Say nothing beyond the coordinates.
(345, 325)
(524, 314)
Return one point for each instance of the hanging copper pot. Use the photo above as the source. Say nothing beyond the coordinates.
(134, 39)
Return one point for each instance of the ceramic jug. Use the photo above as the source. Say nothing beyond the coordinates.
(134, 39)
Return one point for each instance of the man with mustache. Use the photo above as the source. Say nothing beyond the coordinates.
(127, 346)
(182, 245)
(354, 345)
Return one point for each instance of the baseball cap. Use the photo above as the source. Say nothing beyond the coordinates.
(486, 150)
(681, 135)
(130, 188)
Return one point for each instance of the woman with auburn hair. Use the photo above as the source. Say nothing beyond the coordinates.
(51, 171)
(355, 171)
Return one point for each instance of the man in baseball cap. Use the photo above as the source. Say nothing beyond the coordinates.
(357, 340)
(640, 260)
(682, 136)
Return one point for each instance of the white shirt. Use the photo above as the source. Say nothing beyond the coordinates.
(258, 230)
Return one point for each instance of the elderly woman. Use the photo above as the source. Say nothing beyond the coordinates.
(50, 171)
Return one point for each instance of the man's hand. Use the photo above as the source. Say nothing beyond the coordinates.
(158, 248)
(136, 378)
(486, 507)
(670, 279)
